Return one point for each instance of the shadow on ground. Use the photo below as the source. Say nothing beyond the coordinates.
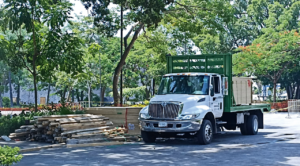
(232, 146)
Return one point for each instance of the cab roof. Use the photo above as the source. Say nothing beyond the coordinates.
(190, 74)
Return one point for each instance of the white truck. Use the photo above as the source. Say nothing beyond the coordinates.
(196, 100)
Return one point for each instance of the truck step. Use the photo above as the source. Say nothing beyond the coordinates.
(221, 122)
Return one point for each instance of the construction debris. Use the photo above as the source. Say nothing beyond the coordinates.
(71, 129)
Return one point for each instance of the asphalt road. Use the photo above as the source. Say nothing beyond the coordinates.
(277, 144)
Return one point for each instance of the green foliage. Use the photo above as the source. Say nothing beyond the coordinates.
(188, 16)
(138, 92)
(9, 155)
(250, 18)
(6, 102)
(277, 50)
(33, 38)
(67, 111)
(8, 124)
(144, 104)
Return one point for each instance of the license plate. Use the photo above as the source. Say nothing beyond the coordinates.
(162, 124)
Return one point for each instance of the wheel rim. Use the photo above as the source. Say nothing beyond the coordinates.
(255, 124)
(208, 132)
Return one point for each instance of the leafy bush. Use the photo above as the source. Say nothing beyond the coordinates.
(138, 93)
(144, 104)
(67, 110)
(9, 155)
(8, 124)
(6, 102)
(138, 105)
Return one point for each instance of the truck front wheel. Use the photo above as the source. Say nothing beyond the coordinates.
(148, 137)
(205, 134)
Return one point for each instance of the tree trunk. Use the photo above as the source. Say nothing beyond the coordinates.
(34, 58)
(35, 90)
(274, 92)
(81, 96)
(293, 87)
(121, 64)
(10, 90)
(77, 94)
(1, 104)
(64, 94)
(89, 94)
(18, 93)
(288, 91)
(297, 92)
(69, 94)
(72, 96)
(147, 95)
(48, 93)
(102, 94)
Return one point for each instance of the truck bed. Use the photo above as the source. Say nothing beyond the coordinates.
(241, 108)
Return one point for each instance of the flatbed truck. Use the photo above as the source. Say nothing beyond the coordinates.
(198, 98)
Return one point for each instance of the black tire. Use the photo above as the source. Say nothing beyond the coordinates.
(252, 125)
(205, 134)
(148, 137)
(243, 127)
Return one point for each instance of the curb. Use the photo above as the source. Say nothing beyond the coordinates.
(41, 147)
(94, 144)
(79, 145)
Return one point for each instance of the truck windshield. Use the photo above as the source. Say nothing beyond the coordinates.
(197, 85)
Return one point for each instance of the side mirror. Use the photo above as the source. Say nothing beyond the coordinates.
(225, 85)
(211, 89)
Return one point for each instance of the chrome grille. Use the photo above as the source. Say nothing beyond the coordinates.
(164, 110)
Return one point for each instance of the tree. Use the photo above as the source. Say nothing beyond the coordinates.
(272, 53)
(250, 17)
(38, 36)
(145, 61)
(100, 53)
(142, 14)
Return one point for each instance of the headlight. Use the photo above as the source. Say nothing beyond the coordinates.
(187, 117)
(144, 116)
(144, 113)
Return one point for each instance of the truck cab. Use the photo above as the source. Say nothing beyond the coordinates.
(197, 104)
(182, 101)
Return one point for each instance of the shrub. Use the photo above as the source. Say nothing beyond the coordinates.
(8, 124)
(138, 105)
(9, 155)
(6, 102)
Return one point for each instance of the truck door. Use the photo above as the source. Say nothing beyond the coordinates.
(216, 101)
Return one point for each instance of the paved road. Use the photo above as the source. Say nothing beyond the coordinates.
(278, 144)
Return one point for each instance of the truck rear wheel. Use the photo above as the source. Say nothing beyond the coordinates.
(148, 137)
(243, 127)
(205, 134)
(252, 125)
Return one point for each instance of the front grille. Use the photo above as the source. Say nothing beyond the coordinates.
(169, 111)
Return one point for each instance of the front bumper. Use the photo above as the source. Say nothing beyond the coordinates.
(173, 126)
